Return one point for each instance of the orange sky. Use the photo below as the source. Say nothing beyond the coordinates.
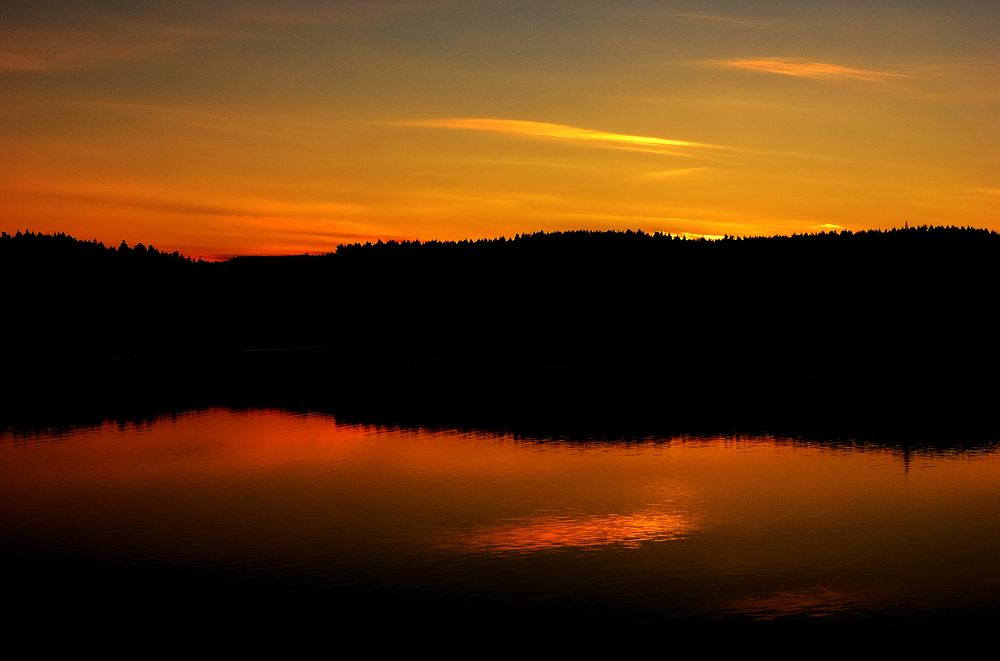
(290, 127)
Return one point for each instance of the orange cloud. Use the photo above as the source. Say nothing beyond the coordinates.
(990, 193)
(676, 172)
(247, 208)
(530, 129)
(798, 68)
(42, 53)
(84, 37)
(95, 39)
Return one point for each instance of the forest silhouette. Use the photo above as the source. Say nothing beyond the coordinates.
(876, 328)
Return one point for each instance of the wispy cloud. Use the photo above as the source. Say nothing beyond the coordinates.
(331, 11)
(530, 129)
(989, 193)
(53, 37)
(670, 174)
(722, 19)
(800, 68)
(115, 196)
(41, 52)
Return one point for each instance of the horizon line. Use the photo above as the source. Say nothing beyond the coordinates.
(821, 230)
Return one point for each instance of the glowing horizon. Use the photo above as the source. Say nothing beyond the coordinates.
(279, 128)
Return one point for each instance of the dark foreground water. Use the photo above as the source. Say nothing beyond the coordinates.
(272, 521)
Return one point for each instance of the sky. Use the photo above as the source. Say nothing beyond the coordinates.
(230, 128)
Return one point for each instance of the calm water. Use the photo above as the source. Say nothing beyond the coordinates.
(280, 513)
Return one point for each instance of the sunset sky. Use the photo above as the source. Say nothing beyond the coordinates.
(287, 127)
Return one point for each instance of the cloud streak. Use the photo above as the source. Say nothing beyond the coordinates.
(247, 208)
(800, 68)
(349, 12)
(546, 130)
(53, 38)
(676, 172)
(42, 53)
(85, 39)
(733, 21)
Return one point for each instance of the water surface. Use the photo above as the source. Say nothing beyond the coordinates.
(285, 513)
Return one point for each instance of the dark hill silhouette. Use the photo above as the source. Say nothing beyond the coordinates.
(877, 327)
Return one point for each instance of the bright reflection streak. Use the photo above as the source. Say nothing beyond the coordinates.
(575, 530)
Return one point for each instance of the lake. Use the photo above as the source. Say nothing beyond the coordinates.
(279, 516)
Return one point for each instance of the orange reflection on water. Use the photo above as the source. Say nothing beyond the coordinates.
(552, 531)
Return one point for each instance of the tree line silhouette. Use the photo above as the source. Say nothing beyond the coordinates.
(579, 324)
